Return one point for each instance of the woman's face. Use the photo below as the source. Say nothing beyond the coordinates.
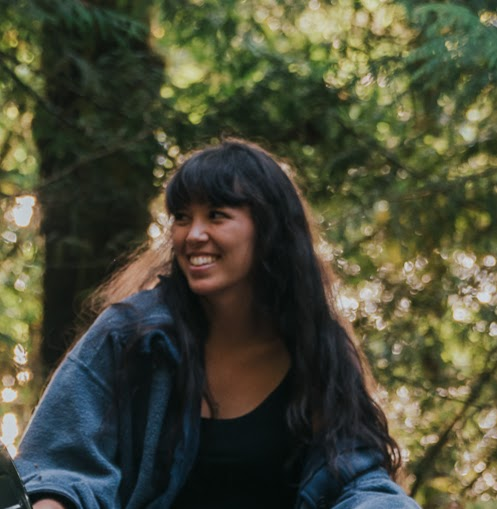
(214, 247)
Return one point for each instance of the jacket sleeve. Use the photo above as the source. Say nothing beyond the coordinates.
(71, 441)
(374, 490)
(360, 483)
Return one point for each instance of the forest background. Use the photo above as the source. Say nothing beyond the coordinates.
(387, 110)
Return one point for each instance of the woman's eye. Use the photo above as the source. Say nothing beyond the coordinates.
(217, 214)
(179, 217)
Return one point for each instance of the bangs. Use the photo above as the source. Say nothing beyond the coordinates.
(208, 177)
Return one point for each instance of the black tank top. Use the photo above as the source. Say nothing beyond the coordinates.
(245, 462)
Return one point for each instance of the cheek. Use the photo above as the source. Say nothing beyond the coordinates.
(176, 239)
(250, 252)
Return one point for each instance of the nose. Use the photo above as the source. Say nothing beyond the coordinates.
(197, 232)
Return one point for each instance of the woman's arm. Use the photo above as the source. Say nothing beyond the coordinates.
(70, 448)
(360, 482)
(48, 503)
(90, 442)
(374, 490)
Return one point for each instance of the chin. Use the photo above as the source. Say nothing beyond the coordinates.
(203, 290)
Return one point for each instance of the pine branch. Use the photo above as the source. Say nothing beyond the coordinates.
(56, 112)
(424, 467)
(87, 16)
(110, 149)
(374, 146)
(47, 106)
(452, 38)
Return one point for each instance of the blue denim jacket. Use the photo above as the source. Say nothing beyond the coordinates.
(81, 445)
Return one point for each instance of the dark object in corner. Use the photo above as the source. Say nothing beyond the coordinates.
(12, 492)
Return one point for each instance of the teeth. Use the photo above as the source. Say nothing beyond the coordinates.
(202, 260)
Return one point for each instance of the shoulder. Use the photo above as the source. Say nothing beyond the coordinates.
(137, 316)
(143, 309)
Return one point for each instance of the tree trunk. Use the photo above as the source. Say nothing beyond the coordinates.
(96, 152)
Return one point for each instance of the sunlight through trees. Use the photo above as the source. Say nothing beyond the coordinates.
(386, 108)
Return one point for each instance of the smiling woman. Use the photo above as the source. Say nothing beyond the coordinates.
(214, 248)
(233, 382)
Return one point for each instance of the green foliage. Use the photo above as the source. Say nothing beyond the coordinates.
(20, 244)
(387, 110)
(398, 161)
(459, 41)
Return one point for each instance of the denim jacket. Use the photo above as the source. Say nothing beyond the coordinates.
(82, 445)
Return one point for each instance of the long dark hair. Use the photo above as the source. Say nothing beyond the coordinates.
(332, 400)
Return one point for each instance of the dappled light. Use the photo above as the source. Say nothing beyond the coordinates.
(22, 212)
(384, 110)
(10, 430)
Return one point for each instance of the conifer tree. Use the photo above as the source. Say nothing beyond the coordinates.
(94, 134)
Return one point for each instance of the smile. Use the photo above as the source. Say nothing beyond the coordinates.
(197, 261)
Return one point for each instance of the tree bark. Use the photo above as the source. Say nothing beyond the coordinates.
(96, 153)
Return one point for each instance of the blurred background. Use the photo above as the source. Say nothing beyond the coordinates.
(387, 111)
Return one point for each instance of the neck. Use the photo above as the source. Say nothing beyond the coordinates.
(234, 322)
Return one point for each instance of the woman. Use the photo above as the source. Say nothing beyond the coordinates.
(231, 383)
